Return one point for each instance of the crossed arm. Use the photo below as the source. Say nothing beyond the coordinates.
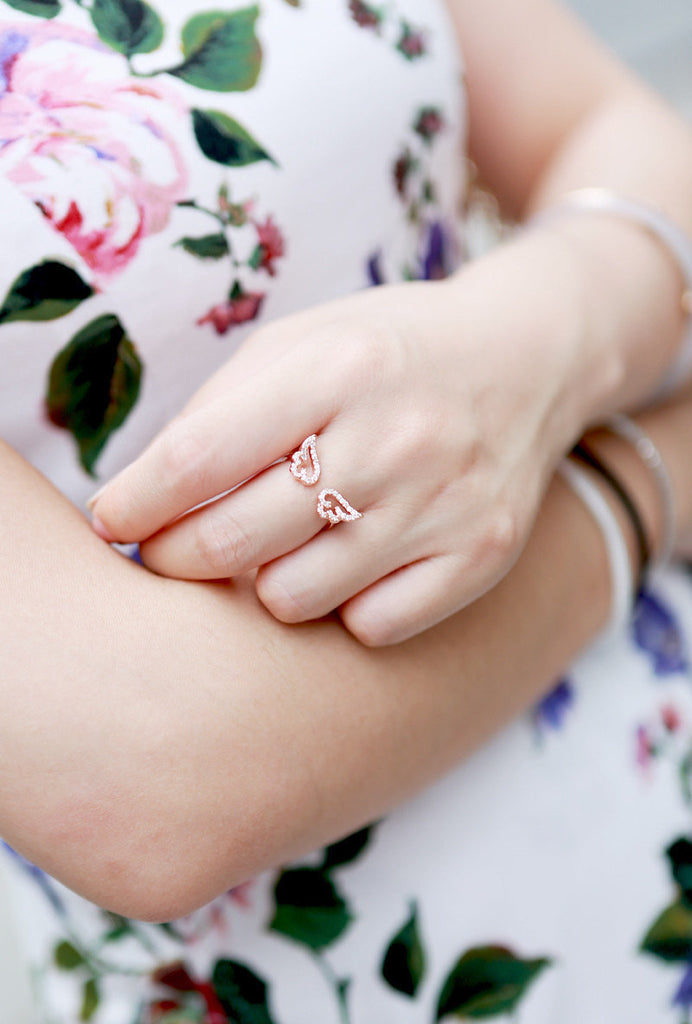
(162, 740)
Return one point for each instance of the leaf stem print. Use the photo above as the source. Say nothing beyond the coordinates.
(338, 985)
(241, 305)
(310, 909)
(220, 50)
(667, 737)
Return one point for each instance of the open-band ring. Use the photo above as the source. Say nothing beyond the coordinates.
(333, 507)
(305, 464)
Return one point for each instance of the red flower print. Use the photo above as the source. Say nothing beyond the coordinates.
(175, 976)
(270, 247)
(403, 168)
(646, 750)
(240, 894)
(411, 42)
(364, 15)
(429, 123)
(239, 308)
(158, 1011)
(670, 717)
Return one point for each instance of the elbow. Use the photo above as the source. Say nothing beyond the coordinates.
(134, 860)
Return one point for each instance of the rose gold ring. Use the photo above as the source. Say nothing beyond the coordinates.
(333, 507)
(305, 464)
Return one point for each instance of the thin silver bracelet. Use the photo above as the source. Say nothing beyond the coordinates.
(647, 451)
(674, 240)
(621, 580)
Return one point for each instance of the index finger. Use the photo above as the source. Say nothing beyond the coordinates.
(214, 448)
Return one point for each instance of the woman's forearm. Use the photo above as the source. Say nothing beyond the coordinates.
(581, 119)
(160, 740)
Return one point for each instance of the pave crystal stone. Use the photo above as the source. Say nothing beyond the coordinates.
(305, 465)
(333, 507)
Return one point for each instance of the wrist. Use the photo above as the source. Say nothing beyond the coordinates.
(541, 301)
(632, 316)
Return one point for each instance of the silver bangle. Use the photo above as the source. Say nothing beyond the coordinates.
(673, 239)
(621, 581)
(647, 451)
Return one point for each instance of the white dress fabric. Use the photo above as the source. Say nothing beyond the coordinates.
(170, 176)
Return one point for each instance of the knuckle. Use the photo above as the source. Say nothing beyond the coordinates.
(362, 357)
(367, 626)
(183, 455)
(286, 603)
(502, 536)
(223, 547)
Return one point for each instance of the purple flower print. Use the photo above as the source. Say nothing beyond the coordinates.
(658, 634)
(40, 877)
(11, 45)
(683, 996)
(551, 712)
(438, 261)
(375, 274)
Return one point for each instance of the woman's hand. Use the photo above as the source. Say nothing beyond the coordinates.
(439, 411)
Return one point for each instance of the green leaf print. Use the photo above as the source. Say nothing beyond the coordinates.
(207, 247)
(309, 908)
(90, 1000)
(128, 26)
(40, 8)
(67, 957)
(679, 855)
(243, 995)
(221, 51)
(670, 936)
(487, 981)
(403, 967)
(224, 141)
(346, 850)
(93, 386)
(45, 291)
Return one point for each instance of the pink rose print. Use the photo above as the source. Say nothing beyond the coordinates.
(239, 308)
(90, 145)
(270, 247)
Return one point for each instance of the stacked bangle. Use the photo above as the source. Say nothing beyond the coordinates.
(625, 582)
(647, 451)
(616, 549)
(584, 454)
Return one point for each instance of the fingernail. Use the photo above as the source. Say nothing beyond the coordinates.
(95, 497)
(99, 528)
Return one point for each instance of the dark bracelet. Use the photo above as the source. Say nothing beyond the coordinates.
(582, 453)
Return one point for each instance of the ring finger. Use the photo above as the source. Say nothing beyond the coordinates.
(260, 521)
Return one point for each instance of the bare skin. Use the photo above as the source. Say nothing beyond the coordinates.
(438, 382)
(153, 773)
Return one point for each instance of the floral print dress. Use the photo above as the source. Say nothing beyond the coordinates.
(170, 175)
